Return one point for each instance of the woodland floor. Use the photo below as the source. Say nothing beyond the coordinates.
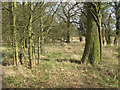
(60, 68)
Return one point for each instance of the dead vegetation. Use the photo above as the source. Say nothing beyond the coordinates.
(60, 67)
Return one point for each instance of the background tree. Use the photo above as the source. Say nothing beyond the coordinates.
(116, 8)
(66, 12)
(80, 23)
(107, 27)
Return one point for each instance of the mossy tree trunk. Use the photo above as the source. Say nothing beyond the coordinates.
(12, 28)
(119, 60)
(92, 51)
(38, 50)
(24, 37)
(22, 50)
(40, 37)
(30, 35)
(12, 16)
(15, 33)
(33, 46)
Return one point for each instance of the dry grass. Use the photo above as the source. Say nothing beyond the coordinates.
(60, 72)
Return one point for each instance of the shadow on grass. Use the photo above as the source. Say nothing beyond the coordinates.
(45, 59)
(71, 60)
(61, 60)
(58, 60)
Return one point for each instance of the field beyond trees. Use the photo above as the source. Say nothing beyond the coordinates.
(60, 67)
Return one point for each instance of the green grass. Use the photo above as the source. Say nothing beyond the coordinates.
(54, 55)
(9, 79)
(6, 45)
(63, 73)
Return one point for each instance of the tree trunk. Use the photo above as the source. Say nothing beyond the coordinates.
(24, 36)
(107, 35)
(30, 35)
(40, 38)
(99, 31)
(92, 46)
(117, 12)
(38, 49)
(109, 30)
(22, 50)
(12, 16)
(15, 34)
(33, 48)
(12, 28)
(68, 33)
(103, 36)
(119, 59)
(80, 35)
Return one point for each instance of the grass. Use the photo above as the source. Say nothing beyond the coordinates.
(62, 69)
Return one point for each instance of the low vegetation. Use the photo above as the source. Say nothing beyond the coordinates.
(60, 67)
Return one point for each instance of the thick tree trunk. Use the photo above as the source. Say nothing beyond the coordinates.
(92, 46)
(119, 59)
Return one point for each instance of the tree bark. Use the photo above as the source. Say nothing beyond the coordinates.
(117, 12)
(12, 16)
(68, 33)
(22, 50)
(30, 35)
(38, 49)
(103, 36)
(12, 28)
(92, 46)
(80, 34)
(40, 37)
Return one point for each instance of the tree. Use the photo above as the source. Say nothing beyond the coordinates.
(40, 35)
(12, 17)
(45, 14)
(116, 7)
(80, 23)
(30, 34)
(22, 32)
(92, 51)
(68, 11)
(107, 27)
